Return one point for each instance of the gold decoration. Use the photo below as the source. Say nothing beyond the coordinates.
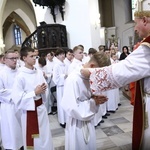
(140, 13)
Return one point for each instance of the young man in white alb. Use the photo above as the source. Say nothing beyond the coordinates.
(10, 117)
(59, 77)
(69, 58)
(81, 106)
(77, 60)
(31, 88)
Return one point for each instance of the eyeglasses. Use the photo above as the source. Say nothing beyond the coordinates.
(12, 58)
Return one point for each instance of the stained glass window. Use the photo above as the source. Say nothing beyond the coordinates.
(17, 35)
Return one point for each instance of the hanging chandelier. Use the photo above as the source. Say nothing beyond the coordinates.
(54, 5)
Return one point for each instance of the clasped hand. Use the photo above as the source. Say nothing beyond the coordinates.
(40, 89)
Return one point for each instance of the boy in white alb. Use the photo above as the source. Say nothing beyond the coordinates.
(69, 58)
(113, 94)
(59, 77)
(30, 87)
(10, 117)
(81, 106)
(77, 60)
(49, 67)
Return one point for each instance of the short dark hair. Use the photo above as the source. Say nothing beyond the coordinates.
(101, 47)
(1, 56)
(92, 51)
(24, 51)
(51, 53)
(42, 61)
(59, 51)
(69, 51)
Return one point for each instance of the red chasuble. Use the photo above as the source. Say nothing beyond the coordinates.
(139, 112)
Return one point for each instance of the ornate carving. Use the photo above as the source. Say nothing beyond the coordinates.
(53, 5)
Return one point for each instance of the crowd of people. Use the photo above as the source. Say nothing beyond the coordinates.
(135, 67)
(26, 80)
(86, 90)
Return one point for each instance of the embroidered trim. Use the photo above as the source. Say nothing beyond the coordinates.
(102, 79)
(35, 135)
(146, 44)
(30, 148)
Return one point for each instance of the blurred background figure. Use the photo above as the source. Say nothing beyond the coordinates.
(125, 52)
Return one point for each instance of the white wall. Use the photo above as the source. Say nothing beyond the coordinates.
(9, 38)
(95, 23)
(80, 18)
(124, 30)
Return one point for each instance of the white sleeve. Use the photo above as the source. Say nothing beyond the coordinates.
(134, 67)
(5, 93)
(74, 107)
(22, 99)
(58, 76)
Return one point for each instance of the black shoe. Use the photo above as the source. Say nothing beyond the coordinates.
(104, 117)
(63, 125)
(22, 148)
(98, 125)
(51, 113)
(119, 104)
(107, 114)
(102, 121)
(111, 111)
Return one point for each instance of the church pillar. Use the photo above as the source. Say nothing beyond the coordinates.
(2, 45)
(82, 22)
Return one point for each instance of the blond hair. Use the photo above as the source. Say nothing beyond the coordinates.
(101, 59)
(77, 47)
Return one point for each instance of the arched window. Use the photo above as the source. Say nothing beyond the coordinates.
(17, 35)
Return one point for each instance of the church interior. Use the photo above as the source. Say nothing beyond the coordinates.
(90, 23)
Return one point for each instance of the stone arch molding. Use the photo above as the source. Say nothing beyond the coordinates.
(23, 15)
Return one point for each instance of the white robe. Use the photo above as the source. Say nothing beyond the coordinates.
(59, 73)
(48, 102)
(10, 118)
(80, 109)
(49, 67)
(25, 83)
(74, 65)
(112, 103)
(101, 112)
(136, 66)
(2, 66)
(113, 95)
(67, 63)
(20, 63)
